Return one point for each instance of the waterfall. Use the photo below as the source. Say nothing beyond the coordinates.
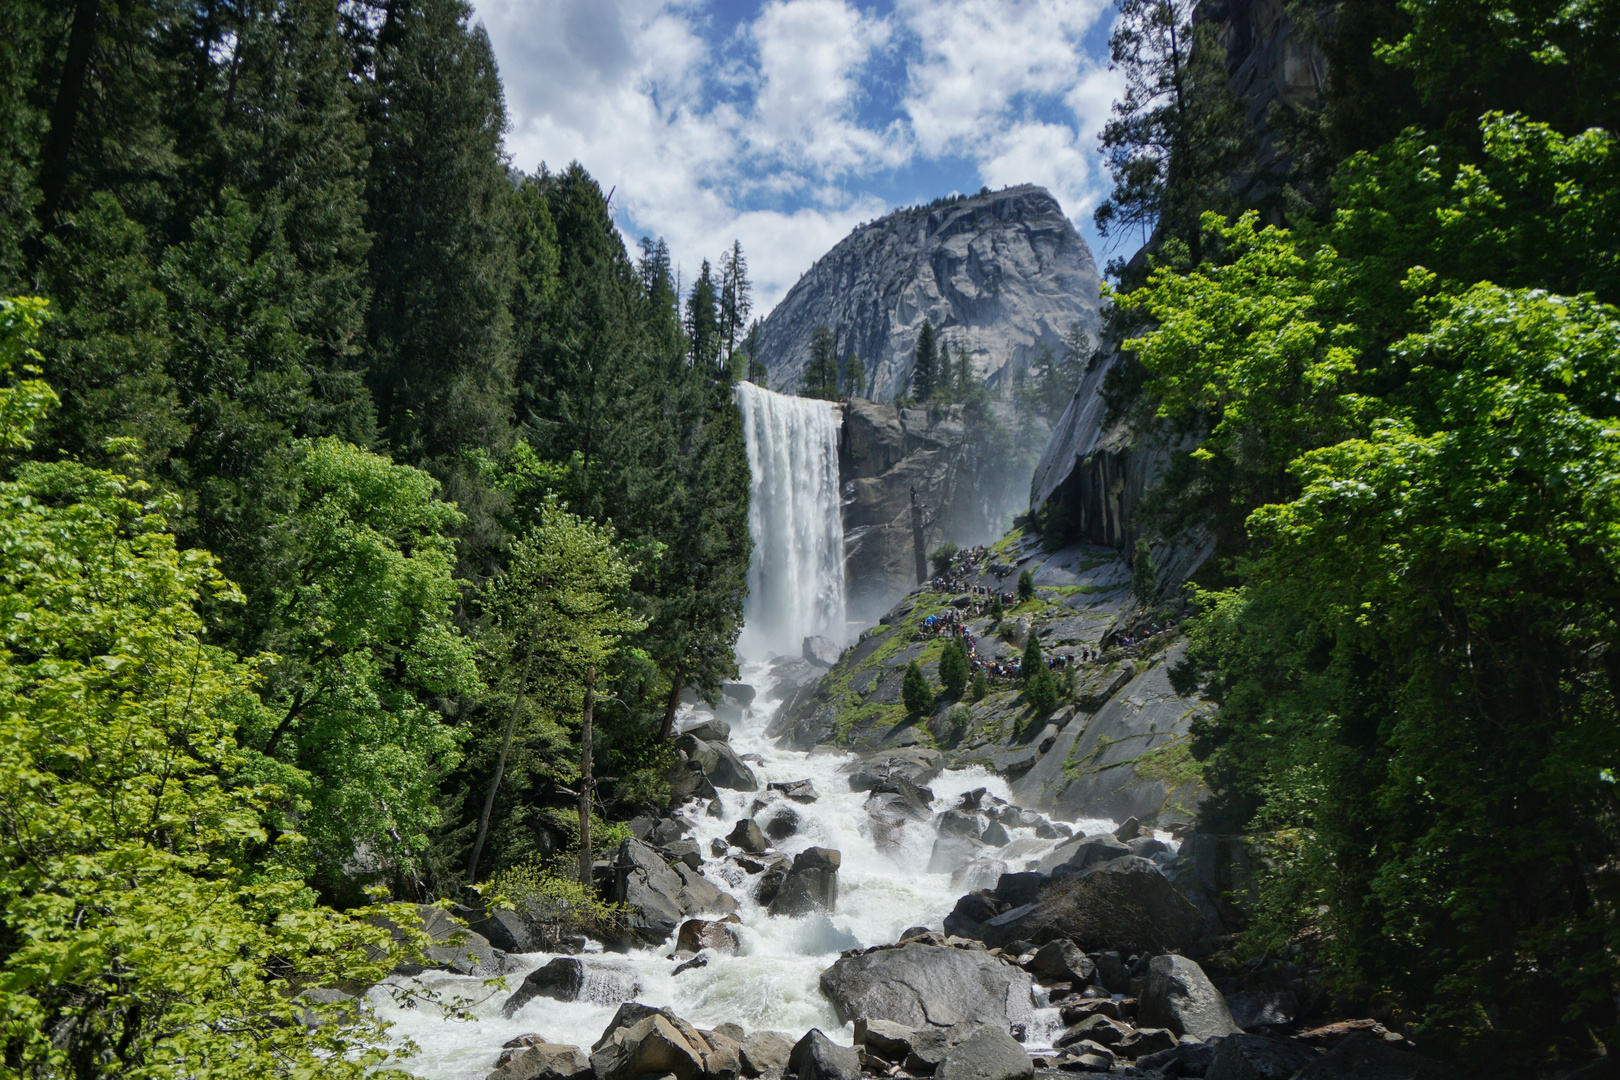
(796, 578)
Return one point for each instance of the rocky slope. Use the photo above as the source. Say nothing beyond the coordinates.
(1115, 747)
(999, 274)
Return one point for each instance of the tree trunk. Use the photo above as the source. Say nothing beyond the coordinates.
(586, 782)
(65, 111)
(669, 708)
(500, 771)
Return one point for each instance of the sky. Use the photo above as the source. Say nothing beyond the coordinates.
(786, 123)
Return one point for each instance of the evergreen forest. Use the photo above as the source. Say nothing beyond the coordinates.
(347, 472)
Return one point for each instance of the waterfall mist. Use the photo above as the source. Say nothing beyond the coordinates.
(796, 578)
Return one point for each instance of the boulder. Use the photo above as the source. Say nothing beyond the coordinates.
(959, 823)
(452, 948)
(542, 1061)
(820, 651)
(802, 791)
(1262, 1008)
(1129, 830)
(995, 834)
(1364, 1056)
(734, 1032)
(1019, 888)
(747, 835)
(1147, 846)
(739, 692)
(981, 873)
(1180, 997)
(929, 1047)
(1027, 922)
(969, 915)
(951, 853)
(1124, 903)
(698, 961)
(1100, 1029)
(712, 730)
(915, 765)
(988, 1054)
(1144, 1041)
(764, 1050)
(641, 1039)
(506, 929)
(771, 879)
(884, 1038)
(718, 762)
(1259, 1057)
(811, 885)
(657, 897)
(1062, 961)
(699, 894)
(684, 851)
(698, 934)
(920, 986)
(1086, 852)
(570, 979)
(782, 823)
(816, 1057)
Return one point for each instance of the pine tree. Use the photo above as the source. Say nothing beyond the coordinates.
(854, 378)
(442, 264)
(915, 692)
(757, 371)
(953, 669)
(703, 324)
(1033, 660)
(736, 297)
(922, 368)
(821, 372)
(1026, 586)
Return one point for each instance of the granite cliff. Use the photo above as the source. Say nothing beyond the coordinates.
(999, 274)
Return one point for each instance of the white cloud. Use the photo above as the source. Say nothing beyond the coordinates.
(696, 124)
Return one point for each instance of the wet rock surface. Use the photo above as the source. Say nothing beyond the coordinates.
(921, 986)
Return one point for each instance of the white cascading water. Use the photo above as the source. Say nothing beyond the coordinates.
(773, 982)
(796, 578)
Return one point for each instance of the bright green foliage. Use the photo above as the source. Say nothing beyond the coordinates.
(1042, 692)
(1026, 586)
(953, 669)
(941, 557)
(915, 692)
(560, 906)
(559, 611)
(359, 608)
(142, 942)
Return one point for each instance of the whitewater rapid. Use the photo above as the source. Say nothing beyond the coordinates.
(772, 983)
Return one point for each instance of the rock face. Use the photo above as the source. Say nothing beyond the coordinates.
(920, 986)
(811, 885)
(998, 274)
(1181, 998)
(988, 1054)
(659, 898)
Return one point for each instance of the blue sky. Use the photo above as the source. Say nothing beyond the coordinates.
(786, 123)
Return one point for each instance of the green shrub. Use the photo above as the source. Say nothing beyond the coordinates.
(1033, 660)
(941, 557)
(1026, 586)
(953, 669)
(959, 721)
(981, 686)
(1144, 581)
(557, 906)
(915, 691)
(996, 610)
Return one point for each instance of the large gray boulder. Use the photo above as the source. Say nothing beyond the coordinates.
(1180, 997)
(1087, 851)
(452, 947)
(920, 986)
(569, 978)
(641, 1039)
(539, 1060)
(719, 763)
(1121, 904)
(765, 1050)
(1258, 1057)
(816, 1057)
(811, 885)
(988, 1054)
(820, 651)
(658, 898)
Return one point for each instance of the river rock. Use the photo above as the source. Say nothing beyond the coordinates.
(507, 929)
(657, 897)
(570, 979)
(952, 852)
(698, 934)
(711, 730)
(641, 1039)
(542, 1061)
(995, 834)
(684, 851)
(1100, 1029)
(971, 912)
(921, 986)
(1020, 888)
(1062, 961)
(981, 873)
(916, 765)
(802, 791)
(886, 1039)
(783, 823)
(746, 834)
(988, 1054)
(1085, 852)
(764, 1050)
(1258, 1057)
(1124, 903)
(772, 876)
(816, 1057)
(452, 948)
(820, 651)
(730, 771)
(1180, 997)
(811, 885)
(1145, 1041)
